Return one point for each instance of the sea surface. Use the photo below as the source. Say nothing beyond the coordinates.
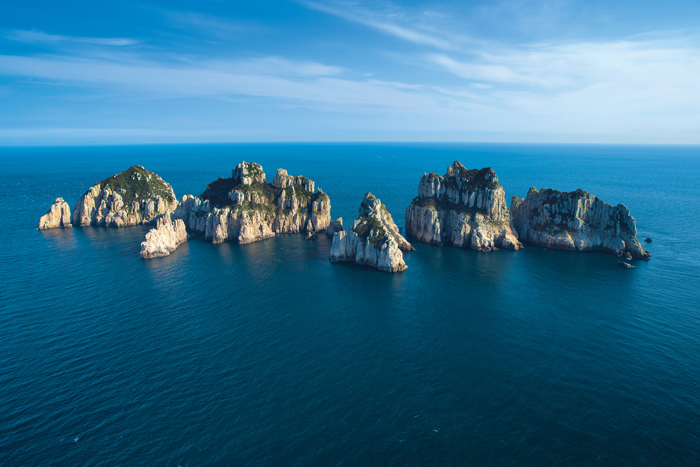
(269, 355)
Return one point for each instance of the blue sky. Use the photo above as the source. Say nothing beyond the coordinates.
(79, 72)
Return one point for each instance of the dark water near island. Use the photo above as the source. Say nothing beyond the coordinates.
(269, 355)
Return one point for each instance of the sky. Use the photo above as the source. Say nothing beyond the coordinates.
(550, 71)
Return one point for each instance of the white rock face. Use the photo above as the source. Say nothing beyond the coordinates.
(246, 209)
(373, 240)
(465, 208)
(334, 226)
(103, 204)
(164, 238)
(247, 173)
(58, 216)
(575, 221)
(284, 180)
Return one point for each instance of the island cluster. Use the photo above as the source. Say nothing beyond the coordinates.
(464, 208)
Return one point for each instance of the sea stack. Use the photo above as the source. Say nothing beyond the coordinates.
(247, 208)
(373, 240)
(464, 208)
(135, 196)
(58, 216)
(575, 221)
(164, 238)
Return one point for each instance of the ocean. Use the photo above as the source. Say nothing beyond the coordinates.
(268, 354)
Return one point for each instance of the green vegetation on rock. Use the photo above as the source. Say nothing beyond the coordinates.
(217, 193)
(476, 178)
(137, 183)
(370, 229)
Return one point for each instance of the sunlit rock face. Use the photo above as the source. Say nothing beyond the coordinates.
(135, 196)
(164, 238)
(247, 208)
(464, 208)
(373, 240)
(57, 216)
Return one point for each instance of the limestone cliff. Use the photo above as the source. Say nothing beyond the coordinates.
(464, 208)
(58, 216)
(334, 226)
(246, 208)
(373, 240)
(164, 238)
(575, 221)
(135, 196)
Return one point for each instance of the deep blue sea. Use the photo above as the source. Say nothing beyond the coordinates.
(269, 355)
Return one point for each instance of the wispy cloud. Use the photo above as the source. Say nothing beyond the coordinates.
(38, 37)
(222, 28)
(351, 11)
(270, 77)
(640, 86)
(641, 65)
(276, 66)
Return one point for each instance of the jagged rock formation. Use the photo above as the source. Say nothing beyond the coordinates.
(373, 240)
(58, 216)
(164, 238)
(575, 221)
(135, 196)
(246, 208)
(465, 208)
(334, 226)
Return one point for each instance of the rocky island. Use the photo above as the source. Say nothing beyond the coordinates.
(373, 240)
(464, 208)
(164, 238)
(58, 216)
(133, 197)
(575, 221)
(246, 207)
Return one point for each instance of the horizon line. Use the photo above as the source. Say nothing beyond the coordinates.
(368, 142)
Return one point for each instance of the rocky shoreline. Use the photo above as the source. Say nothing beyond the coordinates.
(464, 208)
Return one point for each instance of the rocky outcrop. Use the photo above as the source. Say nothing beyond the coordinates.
(58, 216)
(334, 226)
(575, 221)
(373, 240)
(135, 196)
(624, 265)
(464, 208)
(284, 180)
(164, 238)
(246, 208)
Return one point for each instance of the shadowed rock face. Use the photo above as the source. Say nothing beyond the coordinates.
(464, 208)
(575, 221)
(135, 196)
(246, 208)
(373, 240)
(58, 216)
(164, 238)
(334, 226)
